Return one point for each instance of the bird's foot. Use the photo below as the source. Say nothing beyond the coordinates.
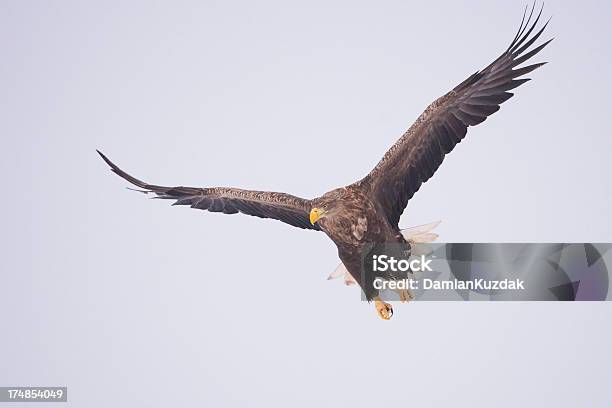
(405, 295)
(384, 310)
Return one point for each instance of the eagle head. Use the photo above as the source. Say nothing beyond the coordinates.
(317, 213)
(329, 205)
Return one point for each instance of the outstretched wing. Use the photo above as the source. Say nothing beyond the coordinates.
(415, 157)
(279, 206)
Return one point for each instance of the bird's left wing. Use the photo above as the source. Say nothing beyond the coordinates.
(279, 206)
(415, 157)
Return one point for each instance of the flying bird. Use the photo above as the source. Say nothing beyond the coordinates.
(368, 211)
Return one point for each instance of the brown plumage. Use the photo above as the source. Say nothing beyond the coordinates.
(369, 210)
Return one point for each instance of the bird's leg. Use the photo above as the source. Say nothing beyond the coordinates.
(384, 310)
(405, 295)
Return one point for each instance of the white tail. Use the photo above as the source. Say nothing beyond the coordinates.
(341, 271)
(421, 233)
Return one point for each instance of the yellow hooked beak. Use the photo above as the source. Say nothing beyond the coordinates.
(316, 214)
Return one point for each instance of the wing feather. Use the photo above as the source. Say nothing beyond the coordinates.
(279, 206)
(415, 157)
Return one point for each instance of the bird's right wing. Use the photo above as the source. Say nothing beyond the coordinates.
(414, 158)
(279, 206)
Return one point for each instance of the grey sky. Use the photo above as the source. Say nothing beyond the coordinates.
(118, 297)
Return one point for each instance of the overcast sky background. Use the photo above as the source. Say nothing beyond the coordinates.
(130, 302)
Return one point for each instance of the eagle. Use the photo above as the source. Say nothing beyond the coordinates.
(368, 211)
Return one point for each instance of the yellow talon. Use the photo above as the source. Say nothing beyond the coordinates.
(405, 295)
(384, 310)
